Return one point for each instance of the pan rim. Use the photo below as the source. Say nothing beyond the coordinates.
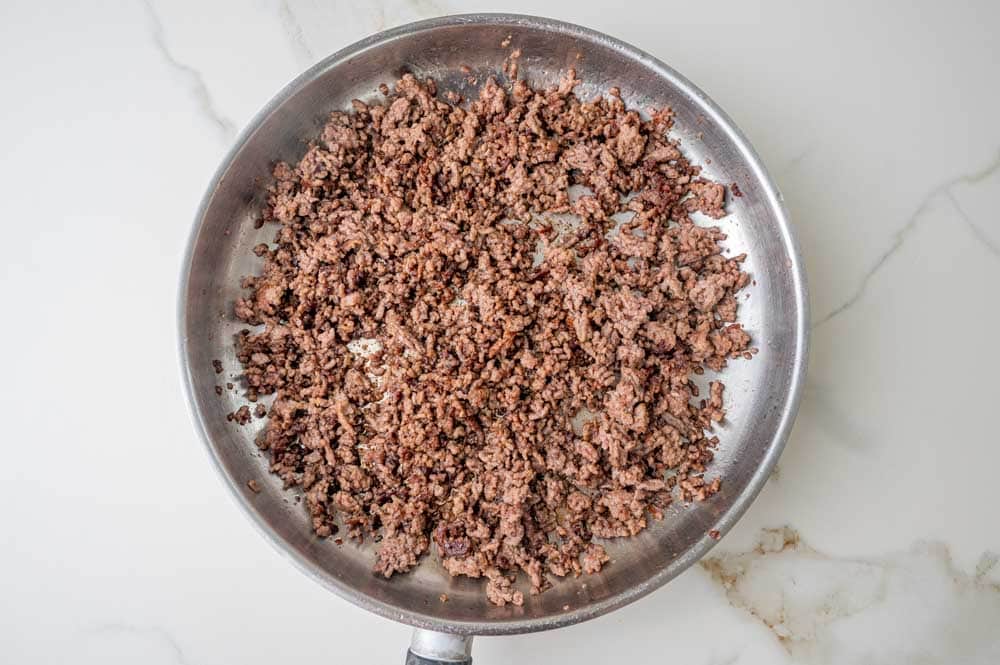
(728, 518)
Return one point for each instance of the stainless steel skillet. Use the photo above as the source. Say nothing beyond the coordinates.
(762, 395)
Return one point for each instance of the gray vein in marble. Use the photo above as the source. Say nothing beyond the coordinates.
(293, 29)
(797, 159)
(153, 633)
(900, 236)
(813, 602)
(987, 562)
(728, 660)
(977, 232)
(193, 77)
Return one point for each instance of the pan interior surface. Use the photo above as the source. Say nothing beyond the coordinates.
(761, 395)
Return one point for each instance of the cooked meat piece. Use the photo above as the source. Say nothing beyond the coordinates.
(454, 371)
(240, 415)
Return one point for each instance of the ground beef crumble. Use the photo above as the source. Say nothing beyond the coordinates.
(452, 368)
(240, 415)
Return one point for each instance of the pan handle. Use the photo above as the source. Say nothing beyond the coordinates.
(429, 647)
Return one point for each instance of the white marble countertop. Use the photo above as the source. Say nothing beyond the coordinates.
(876, 542)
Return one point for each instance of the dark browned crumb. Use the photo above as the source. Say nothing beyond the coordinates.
(254, 486)
(511, 65)
(714, 534)
(229, 386)
(240, 415)
(735, 189)
(258, 223)
(217, 364)
(218, 390)
(260, 411)
(511, 411)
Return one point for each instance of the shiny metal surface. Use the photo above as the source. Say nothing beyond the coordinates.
(441, 647)
(762, 395)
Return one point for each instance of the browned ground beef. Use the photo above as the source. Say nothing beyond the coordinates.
(519, 408)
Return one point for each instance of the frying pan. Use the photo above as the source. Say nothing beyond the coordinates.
(762, 395)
